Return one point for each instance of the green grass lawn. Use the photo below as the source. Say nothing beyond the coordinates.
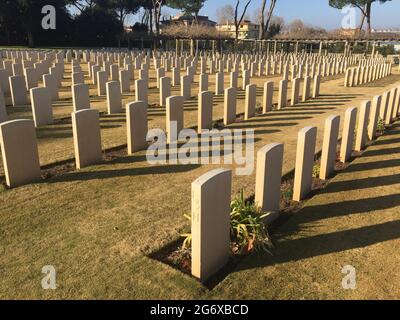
(98, 226)
(355, 221)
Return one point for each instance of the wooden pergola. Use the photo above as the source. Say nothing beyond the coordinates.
(269, 45)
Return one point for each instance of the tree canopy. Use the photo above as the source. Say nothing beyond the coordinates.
(189, 7)
(365, 6)
(78, 22)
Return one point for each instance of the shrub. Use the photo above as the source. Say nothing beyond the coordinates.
(192, 32)
(140, 27)
(248, 232)
(381, 125)
(287, 194)
(96, 27)
(3, 188)
(316, 170)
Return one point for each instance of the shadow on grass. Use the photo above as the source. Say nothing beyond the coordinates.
(378, 152)
(365, 183)
(375, 165)
(347, 208)
(109, 174)
(264, 118)
(313, 109)
(248, 125)
(54, 133)
(385, 142)
(290, 231)
(303, 248)
(341, 95)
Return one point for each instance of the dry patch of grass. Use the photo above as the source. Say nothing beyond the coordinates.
(97, 226)
(354, 221)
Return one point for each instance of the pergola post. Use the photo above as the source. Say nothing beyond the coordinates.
(177, 47)
(373, 49)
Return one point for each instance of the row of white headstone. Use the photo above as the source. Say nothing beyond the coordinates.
(52, 82)
(104, 62)
(89, 151)
(211, 193)
(356, 76)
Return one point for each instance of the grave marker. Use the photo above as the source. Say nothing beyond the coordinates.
(19, 151)
(304, 162)
(211, 197)
(87, 139)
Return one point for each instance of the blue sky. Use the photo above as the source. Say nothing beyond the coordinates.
(315, 12)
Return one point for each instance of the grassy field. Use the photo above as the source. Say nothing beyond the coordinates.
(55, 141)
(355, 221)
(98, 226)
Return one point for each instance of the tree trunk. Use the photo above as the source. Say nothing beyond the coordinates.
(262, 22)
(269, 16)
(151, 20)
(369, 5)
(31, 42)
(192, 47)
(361, 23)
(121, 17)
(155, 21)
(158, 15)
(7, 32)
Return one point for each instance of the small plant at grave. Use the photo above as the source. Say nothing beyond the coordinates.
(217, 125)
(248, 232)
(258, 108)
(316, 170)
(3, 187)
(187, 242)
(287, 194)
(381, 125)
(182, 257)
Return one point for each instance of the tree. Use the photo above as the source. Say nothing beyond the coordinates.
(147, 17)
(298, 29)
(225, 14)
(157, 6)
(152, 14)
(82, 4)
(296, 26)
(139, 27)
(238, 21)
(97, 27)
(365, 6)
(189, 7)
(29, 16)
(123, 8)
(11, 30)
(264, 24)
(276, 25)
(26, 13)
(386, 50)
